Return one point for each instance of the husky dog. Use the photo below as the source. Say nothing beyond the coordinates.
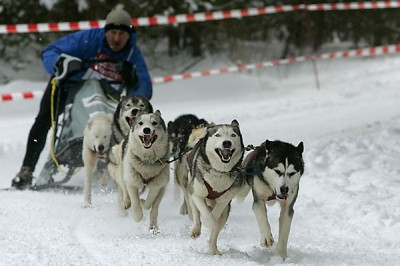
(125, 114)
(273, 172)
(181, 169)
(124, 117)
(144, 163)
(179, 131)
(96, 144)
(215, 178)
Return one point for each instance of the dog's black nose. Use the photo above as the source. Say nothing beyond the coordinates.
(146, 130)
(100, 148)
(284, 190)
(227, 144)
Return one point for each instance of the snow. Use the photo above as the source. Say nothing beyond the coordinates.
(347, 211)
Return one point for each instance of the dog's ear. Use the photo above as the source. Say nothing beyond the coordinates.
(268, 145)
(202, 122)
(150, 106)
(158, 112)
(235, 123)
(211, 124)
(300, 148)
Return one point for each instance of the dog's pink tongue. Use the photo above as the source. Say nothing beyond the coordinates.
(147, 140)
(100, 155)
(132, 120)
(281, 197)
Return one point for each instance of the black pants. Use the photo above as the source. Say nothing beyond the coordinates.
(37, 135)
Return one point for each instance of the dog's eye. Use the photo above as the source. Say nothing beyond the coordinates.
(278, 172)
(233, 135)
(154, 123)
(218, 135)
(140, 123)
(291, 174)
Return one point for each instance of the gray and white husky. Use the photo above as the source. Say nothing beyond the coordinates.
(125, 114)
(215, 178)
(273, 172)
(142, 161)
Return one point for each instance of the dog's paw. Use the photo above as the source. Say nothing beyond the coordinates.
(214, 251)
(154, 230)
(87, 205)
(196, 232)
(281, 251)
(267, 240)
(126, 204)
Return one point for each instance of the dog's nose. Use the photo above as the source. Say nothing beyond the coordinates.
(284, 190)
(227, 144)
(146, 130)
(134, 112)
(100, 148)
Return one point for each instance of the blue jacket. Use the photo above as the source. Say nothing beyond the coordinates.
(88, 44)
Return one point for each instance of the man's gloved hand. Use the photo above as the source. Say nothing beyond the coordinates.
(128, 73)
(67, 65)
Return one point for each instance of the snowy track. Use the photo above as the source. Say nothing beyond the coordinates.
(347, 212)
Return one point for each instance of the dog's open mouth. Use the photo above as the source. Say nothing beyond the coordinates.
(101, 155)
(131, 119)
(148, 139)
(281, 197)
(100, 152)
(225, 154)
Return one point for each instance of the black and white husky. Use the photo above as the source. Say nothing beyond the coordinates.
(215, 178)
(142, 161)
(183, 134)
(273, 172)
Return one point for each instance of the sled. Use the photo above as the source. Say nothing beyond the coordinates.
(83, 100)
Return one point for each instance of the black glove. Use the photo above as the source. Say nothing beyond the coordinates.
(67, 65)
(128, 73)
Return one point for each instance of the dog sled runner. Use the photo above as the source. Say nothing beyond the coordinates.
(66, 135)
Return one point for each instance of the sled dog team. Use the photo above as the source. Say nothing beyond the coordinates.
(209, 166)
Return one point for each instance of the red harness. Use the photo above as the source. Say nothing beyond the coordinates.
(212, 194)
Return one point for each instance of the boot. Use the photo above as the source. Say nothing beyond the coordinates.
(23, 178)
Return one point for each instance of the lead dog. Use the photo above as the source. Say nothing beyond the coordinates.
(143, 162)
(96, 144)
(215, 178)
(273, 172)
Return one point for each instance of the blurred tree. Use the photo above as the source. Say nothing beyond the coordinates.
(295, 33)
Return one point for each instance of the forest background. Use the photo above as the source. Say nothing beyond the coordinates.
(242, 41)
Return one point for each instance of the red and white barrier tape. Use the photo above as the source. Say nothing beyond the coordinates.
(197, 17)
(15, 96)
(373, 51)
